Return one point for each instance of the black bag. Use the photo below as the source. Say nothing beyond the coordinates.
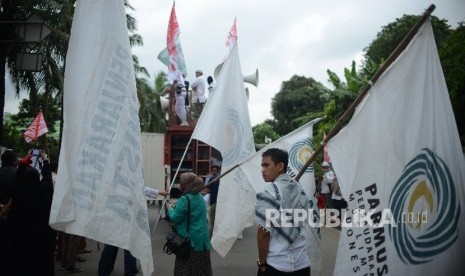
(176, 244)
(343, 204)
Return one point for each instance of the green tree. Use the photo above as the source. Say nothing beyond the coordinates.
(341, 96)
(57, 14)
(18, 123)
(152, 117)
(452, 56)
(263, 130)
(295, 104)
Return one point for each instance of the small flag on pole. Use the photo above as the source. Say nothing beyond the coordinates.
(37, 128)
(173, 35)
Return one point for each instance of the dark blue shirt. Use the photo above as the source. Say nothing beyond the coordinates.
(213, 190)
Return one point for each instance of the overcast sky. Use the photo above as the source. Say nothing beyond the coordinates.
(281, 38)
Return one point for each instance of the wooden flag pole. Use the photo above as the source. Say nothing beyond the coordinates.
(392, 57)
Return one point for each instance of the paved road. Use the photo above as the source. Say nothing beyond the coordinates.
(241, 260)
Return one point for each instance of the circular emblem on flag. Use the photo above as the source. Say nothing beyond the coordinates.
(425, 208)
(299, 153)
(234, 134)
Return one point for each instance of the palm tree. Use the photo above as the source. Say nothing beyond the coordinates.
(152, 117)
(57, 14)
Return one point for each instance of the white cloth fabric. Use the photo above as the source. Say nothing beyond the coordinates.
(198, 89)
(225, 125)
(99, 188)
(150, 192)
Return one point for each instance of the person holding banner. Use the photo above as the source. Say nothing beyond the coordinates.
(281, 244)
(199, 262)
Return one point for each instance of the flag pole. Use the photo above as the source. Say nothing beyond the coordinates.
(392, 57)
(223, 174)
(171, 186)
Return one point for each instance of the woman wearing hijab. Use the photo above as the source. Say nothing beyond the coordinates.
(199, 263)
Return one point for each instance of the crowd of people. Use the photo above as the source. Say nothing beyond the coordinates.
(26, 196)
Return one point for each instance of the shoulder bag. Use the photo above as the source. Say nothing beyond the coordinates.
(177, 245)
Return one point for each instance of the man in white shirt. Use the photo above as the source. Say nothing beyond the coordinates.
(198, 95)
(281, 246)
(326, 183)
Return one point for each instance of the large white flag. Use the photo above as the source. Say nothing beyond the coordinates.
(99, 189)
(225, 125)
(400, 158)
(299, 145)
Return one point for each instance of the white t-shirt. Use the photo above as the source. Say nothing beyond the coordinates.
(328, 178)
(288, 259)
(199, 92)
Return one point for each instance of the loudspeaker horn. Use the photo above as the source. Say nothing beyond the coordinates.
(252, 78)
(164, 102)
(217, 70)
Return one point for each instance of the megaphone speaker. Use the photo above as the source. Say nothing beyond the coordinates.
(252, 78)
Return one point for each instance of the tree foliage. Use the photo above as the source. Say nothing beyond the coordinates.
(152, 117)
(57, 15)
(452, 56)
(17, 124)
(45, 88)
(295, 104)
(263, 130)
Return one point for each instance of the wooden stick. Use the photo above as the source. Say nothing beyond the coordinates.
(221, 175)
(346, 116)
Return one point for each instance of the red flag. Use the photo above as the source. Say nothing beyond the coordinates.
(36, 129)
(173, 32)
(326, 157)
(232, 36)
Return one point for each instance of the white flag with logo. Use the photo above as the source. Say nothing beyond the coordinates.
(299, 145)
(99, 190)
(400, 160)
(225, 125)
